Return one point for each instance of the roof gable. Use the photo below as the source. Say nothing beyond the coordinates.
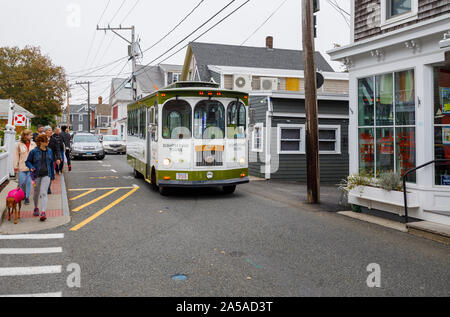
(258, 57)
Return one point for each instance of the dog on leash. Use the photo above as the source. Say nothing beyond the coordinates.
(14, 198)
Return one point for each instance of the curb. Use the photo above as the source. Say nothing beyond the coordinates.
(387, 223)
(415, 228)
(64, 198)
(424, 230)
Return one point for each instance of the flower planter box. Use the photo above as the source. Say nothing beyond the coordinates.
(378, 198)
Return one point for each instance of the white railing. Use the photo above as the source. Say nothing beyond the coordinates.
(4, 173)
(7, 150)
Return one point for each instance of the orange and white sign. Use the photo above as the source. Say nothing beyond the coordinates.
(20, 120)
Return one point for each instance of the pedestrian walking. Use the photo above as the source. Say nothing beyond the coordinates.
(59, 144)
(66, 139)
(40, 130)
(21, 152)
(41, 164)
(54, 146)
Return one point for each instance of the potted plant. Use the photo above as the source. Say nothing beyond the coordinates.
(384, 193)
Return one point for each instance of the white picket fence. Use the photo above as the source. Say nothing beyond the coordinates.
(7, 150)
(4, 172)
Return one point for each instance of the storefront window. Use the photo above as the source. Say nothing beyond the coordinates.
(384, 100)
(442, 124)
(406, 151)
(385, 150)
(365, 101)
(387, 135)
(405, 98)
(367, 151)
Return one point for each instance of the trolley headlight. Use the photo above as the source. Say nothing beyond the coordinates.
(242, 161)
(167, 162)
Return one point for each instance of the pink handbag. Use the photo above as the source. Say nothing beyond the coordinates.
(17, 194)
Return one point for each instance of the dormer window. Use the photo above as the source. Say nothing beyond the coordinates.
(395, 12)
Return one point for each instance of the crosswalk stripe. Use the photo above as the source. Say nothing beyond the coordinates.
(13, 251)
(32, 236)
(56, 294)
(32, 270)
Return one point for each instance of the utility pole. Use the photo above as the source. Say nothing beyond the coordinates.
(312, 134)
(88, 83)
(131, 51)
(68, 110)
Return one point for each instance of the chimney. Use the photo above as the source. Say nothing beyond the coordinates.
(269, 42)
(100, 100)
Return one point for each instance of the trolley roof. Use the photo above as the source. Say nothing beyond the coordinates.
(189, 88)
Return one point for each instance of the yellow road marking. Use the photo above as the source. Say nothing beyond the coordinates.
(102, 211)
(106, 188)
(105, 177)
(82, 195)
(95, 200)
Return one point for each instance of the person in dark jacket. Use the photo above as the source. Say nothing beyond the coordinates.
(40, 130)
(54, 146)
(59, 143)
(41, 165)
(66, 139)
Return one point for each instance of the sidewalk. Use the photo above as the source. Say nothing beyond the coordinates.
(294, 194)
(57, 210)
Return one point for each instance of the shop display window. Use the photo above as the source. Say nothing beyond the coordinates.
(386, 117)
(442, 124)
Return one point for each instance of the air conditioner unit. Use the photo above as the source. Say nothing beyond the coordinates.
(269, 83)
(242, 82)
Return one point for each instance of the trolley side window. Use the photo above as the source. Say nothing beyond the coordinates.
(236, 120)
(209, 120)
(176, 116)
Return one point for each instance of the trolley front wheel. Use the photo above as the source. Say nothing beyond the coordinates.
(229, 189)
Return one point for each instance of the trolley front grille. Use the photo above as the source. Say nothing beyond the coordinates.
(209, 158)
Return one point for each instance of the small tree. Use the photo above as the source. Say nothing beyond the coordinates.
(32, 81)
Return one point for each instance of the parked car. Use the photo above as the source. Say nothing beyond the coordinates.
(114, 144)
(87, 145)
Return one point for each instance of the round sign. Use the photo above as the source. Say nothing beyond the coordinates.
(20, 119)
(320, 80)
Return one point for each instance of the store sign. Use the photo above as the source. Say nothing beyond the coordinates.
(445, 100)
(445, 180)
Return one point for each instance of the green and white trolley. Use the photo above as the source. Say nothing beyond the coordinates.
(190, 134)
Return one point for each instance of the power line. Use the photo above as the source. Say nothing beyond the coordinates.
(127, 80)
(339, 10)
(118, 10)
(95, 33)
(129, 12)
(271, 15)
(160, 40)
(204, 23)
(227, 16)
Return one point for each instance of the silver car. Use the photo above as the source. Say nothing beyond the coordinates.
(87, 145)
(114, 144)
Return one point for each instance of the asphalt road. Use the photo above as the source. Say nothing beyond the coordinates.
(245, 244)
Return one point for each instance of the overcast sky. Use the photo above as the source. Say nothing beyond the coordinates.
(65, 31)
